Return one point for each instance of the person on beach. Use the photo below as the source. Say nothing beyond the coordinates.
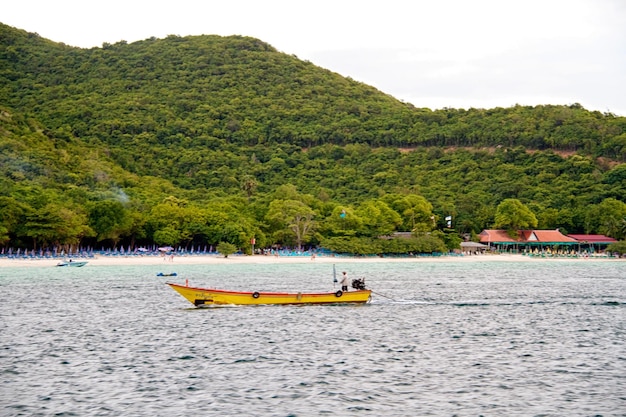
(344, 282)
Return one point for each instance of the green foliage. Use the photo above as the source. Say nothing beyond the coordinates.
(54, 224)
(617, 247)
(378, 218)
(341, 222)
(291, 219)
(450, 239)
(167, 236)
(353, 245)
(206, 139)
(4, 235)
(512, 215)
(365, 246)
(208, 91)
(608, 218)
(109, 220)
(226, 248)
(416, 211)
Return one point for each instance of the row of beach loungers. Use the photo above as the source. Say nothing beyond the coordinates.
(18, 254)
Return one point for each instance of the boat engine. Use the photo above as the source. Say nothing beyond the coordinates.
(358, 284)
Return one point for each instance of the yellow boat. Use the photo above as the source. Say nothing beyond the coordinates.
(201, 297)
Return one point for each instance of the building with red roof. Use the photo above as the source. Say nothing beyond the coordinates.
(600, 239)
(593, 242)
(526, 236)
(529, 240)
(526, 239)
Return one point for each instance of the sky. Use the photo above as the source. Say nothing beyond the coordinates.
(430, 53)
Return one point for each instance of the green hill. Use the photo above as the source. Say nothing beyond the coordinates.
(219, 128)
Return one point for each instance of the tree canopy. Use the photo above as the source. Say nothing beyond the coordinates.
(206, 139)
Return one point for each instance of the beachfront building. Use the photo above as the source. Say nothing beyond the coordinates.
(529, 241)
(473, 248)
(592, 243)
(544, 242)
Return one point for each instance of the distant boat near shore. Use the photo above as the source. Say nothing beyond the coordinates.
(73, 264)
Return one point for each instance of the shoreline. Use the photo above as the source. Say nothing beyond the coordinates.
(269, 259)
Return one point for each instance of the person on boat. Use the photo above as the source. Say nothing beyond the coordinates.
(344, 282)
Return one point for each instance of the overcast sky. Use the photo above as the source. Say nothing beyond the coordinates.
(431, 53)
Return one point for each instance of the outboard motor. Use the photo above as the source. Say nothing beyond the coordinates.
(358, 284)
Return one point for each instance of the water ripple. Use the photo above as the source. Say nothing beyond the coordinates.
(444, 340)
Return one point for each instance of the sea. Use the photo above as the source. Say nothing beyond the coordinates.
(545, 338)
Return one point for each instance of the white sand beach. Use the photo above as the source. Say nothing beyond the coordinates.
(99, 260)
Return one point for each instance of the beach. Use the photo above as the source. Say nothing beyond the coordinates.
(101, 260)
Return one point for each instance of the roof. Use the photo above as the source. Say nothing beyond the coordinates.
(473, 245)
(488, 236)
(593, 238)
(547, 236)
(525, 236)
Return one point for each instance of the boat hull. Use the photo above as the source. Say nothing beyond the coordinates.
(72, 264)
(201, 297)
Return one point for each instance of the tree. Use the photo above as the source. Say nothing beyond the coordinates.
(74, 227)
(226, 248)
(228, 222)
(109, 220)
(293, 216)
(353, 245)
(136, 228)
(165, 221)
(249, 185)
(193, 224)
(607, 218)
(512, 215)
(378, 218)
(416, 212)
(4, 235)
(342, 221)
(617, 247)
(130, 120)
(167, 236)
(55, 224)
(11, 213)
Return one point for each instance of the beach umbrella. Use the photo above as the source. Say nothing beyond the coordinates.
(166, 248)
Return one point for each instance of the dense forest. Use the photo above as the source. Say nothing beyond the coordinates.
(205, 140)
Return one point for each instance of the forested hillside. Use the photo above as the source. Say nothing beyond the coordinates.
(208, 139)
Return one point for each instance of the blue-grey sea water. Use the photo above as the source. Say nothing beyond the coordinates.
(438, 339)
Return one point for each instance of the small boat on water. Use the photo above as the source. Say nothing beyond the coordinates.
(202, 297)
(72, 263)
(168, 274)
